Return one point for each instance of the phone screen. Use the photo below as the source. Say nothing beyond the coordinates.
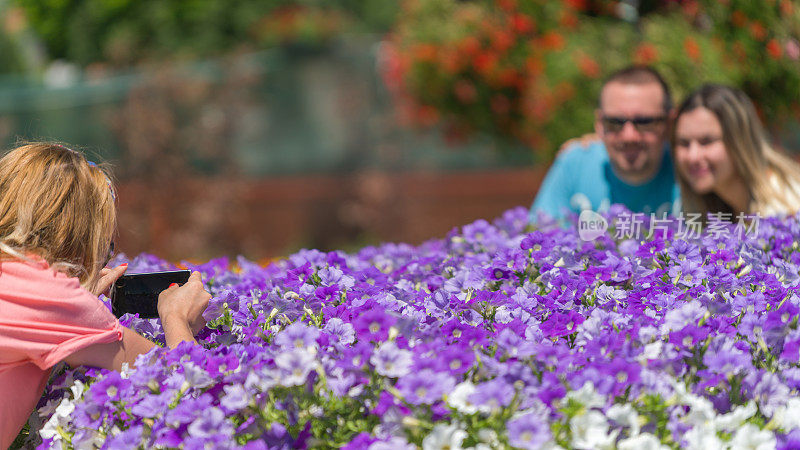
(138, 292)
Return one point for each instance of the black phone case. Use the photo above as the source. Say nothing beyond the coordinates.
(138, 292)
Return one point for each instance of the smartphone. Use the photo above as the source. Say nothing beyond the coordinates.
(138, 292)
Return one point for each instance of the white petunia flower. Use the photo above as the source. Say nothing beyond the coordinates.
(644, 441)
(393, 443)
(125, 371)
(750, 437)
(625, 415)
(651, 351)
(488, 436)
(58, 420)
(587, 396)
(88, 439)
(702, 412)
(444, 437)
(788, 416)
(459, 398)
(703, 438)
(590, 431)
(734, 419)
(77, 389)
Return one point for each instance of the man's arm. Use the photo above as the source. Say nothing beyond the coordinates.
(556, 190)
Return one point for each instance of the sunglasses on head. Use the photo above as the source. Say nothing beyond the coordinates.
(93, 165)
(643, 124)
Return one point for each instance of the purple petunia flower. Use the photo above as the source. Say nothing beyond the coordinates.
(235, 398)
(130, 438)
(492, 395)
(152, 405)
(343, 332)
(528, 432)
(374, 325)
(297, 336)
(425, 386)
(391, 361)
(295, 366)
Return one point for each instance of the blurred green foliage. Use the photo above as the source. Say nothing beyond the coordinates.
(531, 70)
(10, 60)
(127, 32)
(518, 70)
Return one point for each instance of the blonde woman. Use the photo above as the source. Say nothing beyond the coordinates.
(57, 218)
(724, 160)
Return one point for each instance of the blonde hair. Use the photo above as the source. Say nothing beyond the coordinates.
(56, 205)
(747, 145)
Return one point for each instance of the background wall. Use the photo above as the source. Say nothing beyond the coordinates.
(201, 218)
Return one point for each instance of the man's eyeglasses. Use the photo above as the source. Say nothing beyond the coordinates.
(643, 124)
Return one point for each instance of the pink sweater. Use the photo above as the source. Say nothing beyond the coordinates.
(44, 317)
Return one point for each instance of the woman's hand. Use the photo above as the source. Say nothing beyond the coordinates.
(181, 310)
(107, 278)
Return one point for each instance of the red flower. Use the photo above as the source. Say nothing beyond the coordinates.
(568, 20)
(425, 52)
(740, 52)
(394, 68)
(564, 91)
(691, 8)
(510, 77)
(538, 105)
(579, 5)
(588, 66)
(534, 66)
(738, 18)
(787, 8)
(507, 5)
(471, 46)
(500, 105)
(774, 49)
(552, 41)
(522, 24)
(645, 54)
(502, 40)
(451, 61)
(427, 115)
(692, 49)
(485, 63)
(465, 91)
(758, 31)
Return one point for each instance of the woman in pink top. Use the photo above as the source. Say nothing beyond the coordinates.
(57, 218)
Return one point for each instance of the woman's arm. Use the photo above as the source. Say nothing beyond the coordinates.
(112, 355)
(181, 312)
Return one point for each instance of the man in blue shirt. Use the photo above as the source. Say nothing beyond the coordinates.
(631, 162)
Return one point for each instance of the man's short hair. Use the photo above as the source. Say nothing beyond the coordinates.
(638, 75)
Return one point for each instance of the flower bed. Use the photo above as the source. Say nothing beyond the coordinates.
(489, 338)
